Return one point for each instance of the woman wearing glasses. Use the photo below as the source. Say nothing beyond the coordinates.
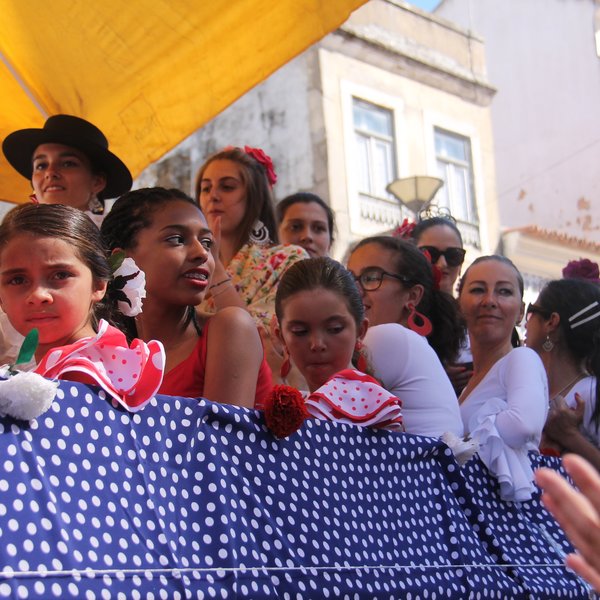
(563, 327)
(441, 239)
(505, 403)
(397, 288)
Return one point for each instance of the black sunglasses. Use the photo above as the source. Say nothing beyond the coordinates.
(370, 279)
(533, 309)
(454, 256)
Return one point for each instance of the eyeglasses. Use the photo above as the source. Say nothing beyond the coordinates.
(533, 309)
(370, 279)
(454, 256)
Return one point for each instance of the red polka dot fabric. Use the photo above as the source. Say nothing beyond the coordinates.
(129, 374)
(354, 397)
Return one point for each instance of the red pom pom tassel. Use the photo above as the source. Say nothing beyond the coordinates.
(285, 411)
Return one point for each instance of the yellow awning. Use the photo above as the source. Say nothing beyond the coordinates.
(148, 73)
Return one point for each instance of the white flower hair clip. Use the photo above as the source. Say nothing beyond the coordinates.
(128, 286)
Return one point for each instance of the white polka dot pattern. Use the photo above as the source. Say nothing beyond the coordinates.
(188, 499)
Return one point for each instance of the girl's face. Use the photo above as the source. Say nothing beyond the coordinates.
(388, 303)
(319, 333)
(63, 175)
(223, 194)
(44, 285)
(174, 253)
(444, 238)
(490, 301)
(305, 224)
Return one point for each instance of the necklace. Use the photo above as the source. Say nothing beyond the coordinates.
(569, 385)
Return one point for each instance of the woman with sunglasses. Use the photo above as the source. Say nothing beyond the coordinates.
(397, 287)
(505, 403)
(563, 327)
(440, 239)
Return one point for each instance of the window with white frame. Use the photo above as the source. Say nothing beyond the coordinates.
(376, 164)
(455, 167)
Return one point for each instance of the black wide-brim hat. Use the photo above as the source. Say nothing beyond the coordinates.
(19, 146)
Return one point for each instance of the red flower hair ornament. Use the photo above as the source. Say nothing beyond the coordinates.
(265, 160)
(437, 272)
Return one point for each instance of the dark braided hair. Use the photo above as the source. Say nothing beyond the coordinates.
(131, 213)
(567, 297)
(438, 306)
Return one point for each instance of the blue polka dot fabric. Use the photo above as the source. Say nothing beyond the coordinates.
(190, 499)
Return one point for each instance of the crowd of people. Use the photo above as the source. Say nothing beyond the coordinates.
(238, 295)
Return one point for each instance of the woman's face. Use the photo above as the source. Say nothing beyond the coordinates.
(63, 175)
(223, 195)
(319, 333)
(305, 224)
(174, 253)
(490, 301)
(443, 237)
(388, 303)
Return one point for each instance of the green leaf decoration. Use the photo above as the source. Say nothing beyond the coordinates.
(28, 348)
(115, 260)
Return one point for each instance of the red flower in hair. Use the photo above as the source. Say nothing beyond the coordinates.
(285, 411)
(265, 160)
(404, 230)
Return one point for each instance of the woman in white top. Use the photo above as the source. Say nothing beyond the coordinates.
(504, 404)
(395, 279)
(563, 327)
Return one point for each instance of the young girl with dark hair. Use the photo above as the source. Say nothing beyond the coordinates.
(563, 327)
(321, 323)
(54, 275)
(219, 358)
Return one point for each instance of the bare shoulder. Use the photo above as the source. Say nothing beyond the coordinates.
(232, 319)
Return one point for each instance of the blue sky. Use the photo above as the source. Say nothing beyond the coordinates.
(425, 4)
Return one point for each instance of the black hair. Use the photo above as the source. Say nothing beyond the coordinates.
(131, 213)
(438, 306)
(567, 297)
(425, 224)
(306, 198)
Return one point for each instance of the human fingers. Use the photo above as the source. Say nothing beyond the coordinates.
(584, 569)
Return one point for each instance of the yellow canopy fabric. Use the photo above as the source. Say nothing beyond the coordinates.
(147, 72)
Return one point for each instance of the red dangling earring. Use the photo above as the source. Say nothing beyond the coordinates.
(286, 366)
(361, 361)
(418, 322)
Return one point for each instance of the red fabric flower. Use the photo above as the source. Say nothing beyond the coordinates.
(437, 272)
(404, 230)
(285, 411)
(582, 269)
(265, 160)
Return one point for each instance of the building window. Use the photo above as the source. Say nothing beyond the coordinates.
(376, 164)
(455, 167)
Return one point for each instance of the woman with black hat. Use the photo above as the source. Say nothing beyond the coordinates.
(68, 162)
